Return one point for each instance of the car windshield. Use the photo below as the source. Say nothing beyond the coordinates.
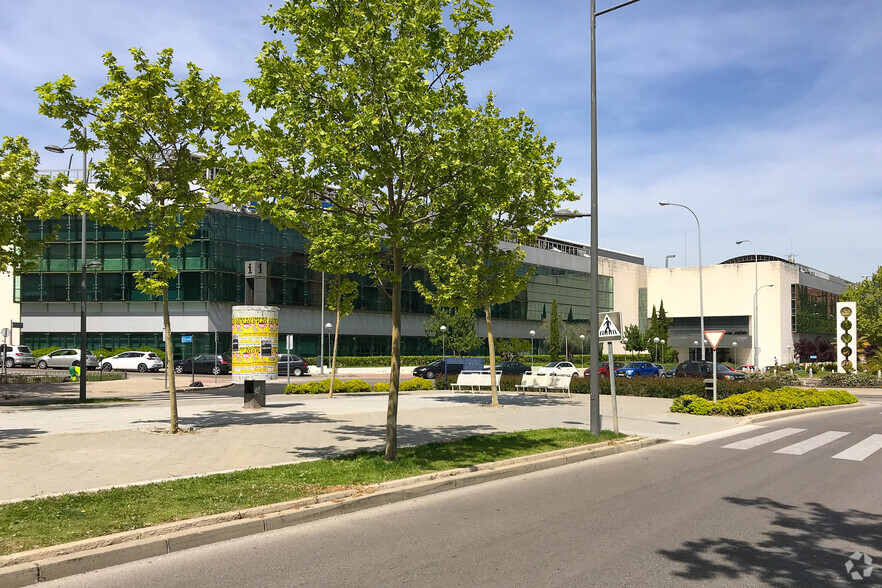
(552, 364)
(633, 364)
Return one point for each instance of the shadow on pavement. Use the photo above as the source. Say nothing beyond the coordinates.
(226, 418)
(10, 438)
(801, 548)
(505, 399)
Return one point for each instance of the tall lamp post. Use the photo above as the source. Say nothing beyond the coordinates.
(656, 340)
(663, 351)
(755, 288)
(625, 343)
(582, 338)
(444, 351)
(756, 349)
(328, 327)
(700, 282)
(735, 353)
(593, 294)
(532, 334)
(84, 266)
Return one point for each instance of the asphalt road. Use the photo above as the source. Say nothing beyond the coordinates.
(721, 511)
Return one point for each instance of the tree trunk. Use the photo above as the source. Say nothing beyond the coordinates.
(170, 364)
(334, 356)
(494, 395)
(395, 375)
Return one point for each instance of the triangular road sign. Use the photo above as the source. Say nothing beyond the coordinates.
(714, 338)
(608, 328)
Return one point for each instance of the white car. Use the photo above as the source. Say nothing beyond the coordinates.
(64, 358)
(559, 368)
(143, 361)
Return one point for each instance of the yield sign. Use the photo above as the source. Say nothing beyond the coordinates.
(714, 338)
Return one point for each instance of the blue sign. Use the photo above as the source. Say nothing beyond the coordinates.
(813, 357)
(186, 338)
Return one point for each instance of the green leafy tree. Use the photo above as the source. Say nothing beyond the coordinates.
(162, 136)
(341, 299)
(867, 294)
(553, 337)
(366, 118)
(22, 192)
(461, 337)
(512, 349)
(636, 339)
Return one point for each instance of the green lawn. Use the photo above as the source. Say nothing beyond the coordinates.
(51, 521)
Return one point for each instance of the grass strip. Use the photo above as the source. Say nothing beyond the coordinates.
(50, 521)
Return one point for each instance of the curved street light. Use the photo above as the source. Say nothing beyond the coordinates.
(700, 281)
(755, 309)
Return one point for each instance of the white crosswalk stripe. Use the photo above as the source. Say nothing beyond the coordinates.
(812, 443)
(862, 450)
(763, 439)
(718, 435)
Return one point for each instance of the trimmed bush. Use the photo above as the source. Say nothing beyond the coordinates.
(852, 380)
(324, 386)
(416, 384)
(380, 387)
(763, 401)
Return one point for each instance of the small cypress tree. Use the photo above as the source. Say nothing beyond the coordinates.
(554, 333)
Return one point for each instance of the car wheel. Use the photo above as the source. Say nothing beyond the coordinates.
(179, 369)
(42, 364)
(106, 367)
(298, 372)
(430, 375)
(76, 363)
(142, 367)
(10, 362)
(215, 370)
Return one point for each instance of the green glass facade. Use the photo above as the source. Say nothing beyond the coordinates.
(210, 270)
(812, 311)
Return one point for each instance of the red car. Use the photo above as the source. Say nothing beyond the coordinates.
(603, 370)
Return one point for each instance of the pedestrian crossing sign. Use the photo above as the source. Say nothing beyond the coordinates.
(610, 326)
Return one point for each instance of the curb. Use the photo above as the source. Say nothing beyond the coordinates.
(758, 418)
(50, 563)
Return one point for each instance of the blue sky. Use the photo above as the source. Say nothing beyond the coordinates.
(763, 117)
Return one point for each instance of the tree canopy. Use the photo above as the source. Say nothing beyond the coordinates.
(867, 294)
(368, 137)
(161, 138)
(22, 192)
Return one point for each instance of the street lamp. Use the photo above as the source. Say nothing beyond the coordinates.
(625, 343)
(663, 351)
(700, 282)
(756, 349)
(668, 257)
(444, 351)
(755, 288)
(735, 353)
(582, 338)
(328, 327)
(656, 339)
(532, 334)
(695, 343)
(84, 265)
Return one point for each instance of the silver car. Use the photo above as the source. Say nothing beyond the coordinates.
(64, 358)
(16, 355)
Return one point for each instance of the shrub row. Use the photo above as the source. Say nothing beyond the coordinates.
(852, 380)
(763, 401)
(415, 360)
(355, 385)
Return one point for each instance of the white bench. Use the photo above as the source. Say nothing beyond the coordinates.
(544, 383)
(474, 381)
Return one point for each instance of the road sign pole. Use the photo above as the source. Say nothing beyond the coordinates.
(715, 375)
(612, 387)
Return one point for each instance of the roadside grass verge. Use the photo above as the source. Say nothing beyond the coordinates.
(50, 521)
(763, 401)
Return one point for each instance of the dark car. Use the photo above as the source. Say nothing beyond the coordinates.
(294, 364)
(512, 368)
(603, 370)
(705, 369)
(638, 369)
(455, 365)
(207, 363)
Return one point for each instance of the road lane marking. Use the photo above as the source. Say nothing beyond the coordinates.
(812, 443)
(862, 450)
(718, 435)
(763, 439)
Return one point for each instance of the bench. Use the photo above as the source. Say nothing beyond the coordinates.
(473, 381)
(544, 383)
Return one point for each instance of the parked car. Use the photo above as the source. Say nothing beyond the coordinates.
(16, 355)
(643, 369)
(662, 372)
(455, 365)
(64, 358)
(143, 361)
(603, 370)
(705, 369)
(560, 368)
(512, 368)
(294, 364)
(207, 363)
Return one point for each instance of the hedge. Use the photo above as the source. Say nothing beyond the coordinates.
(324, 386)
(416, 360)
(852, 380)
(764, 401)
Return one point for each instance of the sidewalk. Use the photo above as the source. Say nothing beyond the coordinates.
(68, 448)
